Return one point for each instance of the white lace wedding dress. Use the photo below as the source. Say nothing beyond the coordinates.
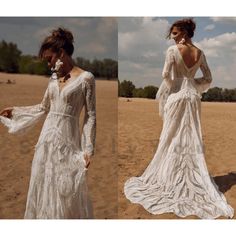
(177, 179)
(58, 188)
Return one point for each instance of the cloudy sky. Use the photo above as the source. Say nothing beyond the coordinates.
(142, 47)
(95, 37)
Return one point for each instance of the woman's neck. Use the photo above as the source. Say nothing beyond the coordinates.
(68, 65)
(188, 42)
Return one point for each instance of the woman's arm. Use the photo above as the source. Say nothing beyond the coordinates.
(203, 83)
(169, 61)
(89, 127)
(18, 119)
(164, 89)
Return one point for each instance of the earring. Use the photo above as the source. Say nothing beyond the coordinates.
(182, 41)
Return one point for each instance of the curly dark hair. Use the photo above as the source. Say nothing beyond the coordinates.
(187, 25)
(59, 38)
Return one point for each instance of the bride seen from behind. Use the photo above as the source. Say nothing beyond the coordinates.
(177, 179)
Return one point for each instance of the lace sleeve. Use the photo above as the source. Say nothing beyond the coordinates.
(203, 83)
(24, 117)
(167, 69)
(89, 127)
(164, 89)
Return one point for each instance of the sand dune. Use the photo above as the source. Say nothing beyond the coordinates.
(139, 130)
(16, 152)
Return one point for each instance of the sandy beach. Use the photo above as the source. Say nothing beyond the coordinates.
(139, 130)
(16, 152)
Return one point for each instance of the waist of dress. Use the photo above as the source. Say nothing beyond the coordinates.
(61, 114)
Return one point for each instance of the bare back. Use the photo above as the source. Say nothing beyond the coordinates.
(190, 54)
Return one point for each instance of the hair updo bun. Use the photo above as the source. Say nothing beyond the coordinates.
(190, 27)
(187, 25)
(63, 34)
(59, 38)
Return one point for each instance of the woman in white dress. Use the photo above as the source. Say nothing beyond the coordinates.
(58, 188)
(177, 179)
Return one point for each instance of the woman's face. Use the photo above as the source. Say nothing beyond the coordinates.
(50, 57)
(177, 34)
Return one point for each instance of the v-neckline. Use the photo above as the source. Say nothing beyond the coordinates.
(67, 84)
(181, 57)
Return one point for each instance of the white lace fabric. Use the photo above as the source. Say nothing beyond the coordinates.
(176, 74)
(58, 187)
(177, 179)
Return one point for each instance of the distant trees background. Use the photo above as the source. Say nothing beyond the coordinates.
(106, 68)
(32, 65)
(12, 61)
(128, 89)
(220, 95)
(9, 57)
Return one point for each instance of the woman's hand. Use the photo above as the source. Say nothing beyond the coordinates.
(7, 112)
(87, 159)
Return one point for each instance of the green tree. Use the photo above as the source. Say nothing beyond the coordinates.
(9, 57)
(126, 88)
(150, 91)
(213, 94)
(138, 93)
(111, 68)
(106, 68)
(83, 63)
(32, 65)
(228, 95)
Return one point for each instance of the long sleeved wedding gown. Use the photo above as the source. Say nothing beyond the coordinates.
(58, 188)
(177, 179)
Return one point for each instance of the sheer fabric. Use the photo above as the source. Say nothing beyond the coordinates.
(177, 179)
(58, 187)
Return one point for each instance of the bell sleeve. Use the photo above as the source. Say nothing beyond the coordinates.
(89, 127)
(25, 117)
(203, 83)
(164, 89)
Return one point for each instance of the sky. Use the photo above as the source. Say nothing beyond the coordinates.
(141, 42)
(95, 37)
(142, 45)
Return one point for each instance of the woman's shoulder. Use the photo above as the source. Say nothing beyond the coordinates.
(170, 52)
(171, 49)
(88, 76)
(88, 79)
(201, 53)
(198, 50)
(83, 74)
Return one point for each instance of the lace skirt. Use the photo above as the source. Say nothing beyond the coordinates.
(177, 179)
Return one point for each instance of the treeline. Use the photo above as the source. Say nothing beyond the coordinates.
(127, 89)
(107, 68)
(220, 95)
(12, 61)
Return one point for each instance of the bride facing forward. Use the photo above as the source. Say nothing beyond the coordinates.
(177, 179)
(58, 187)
